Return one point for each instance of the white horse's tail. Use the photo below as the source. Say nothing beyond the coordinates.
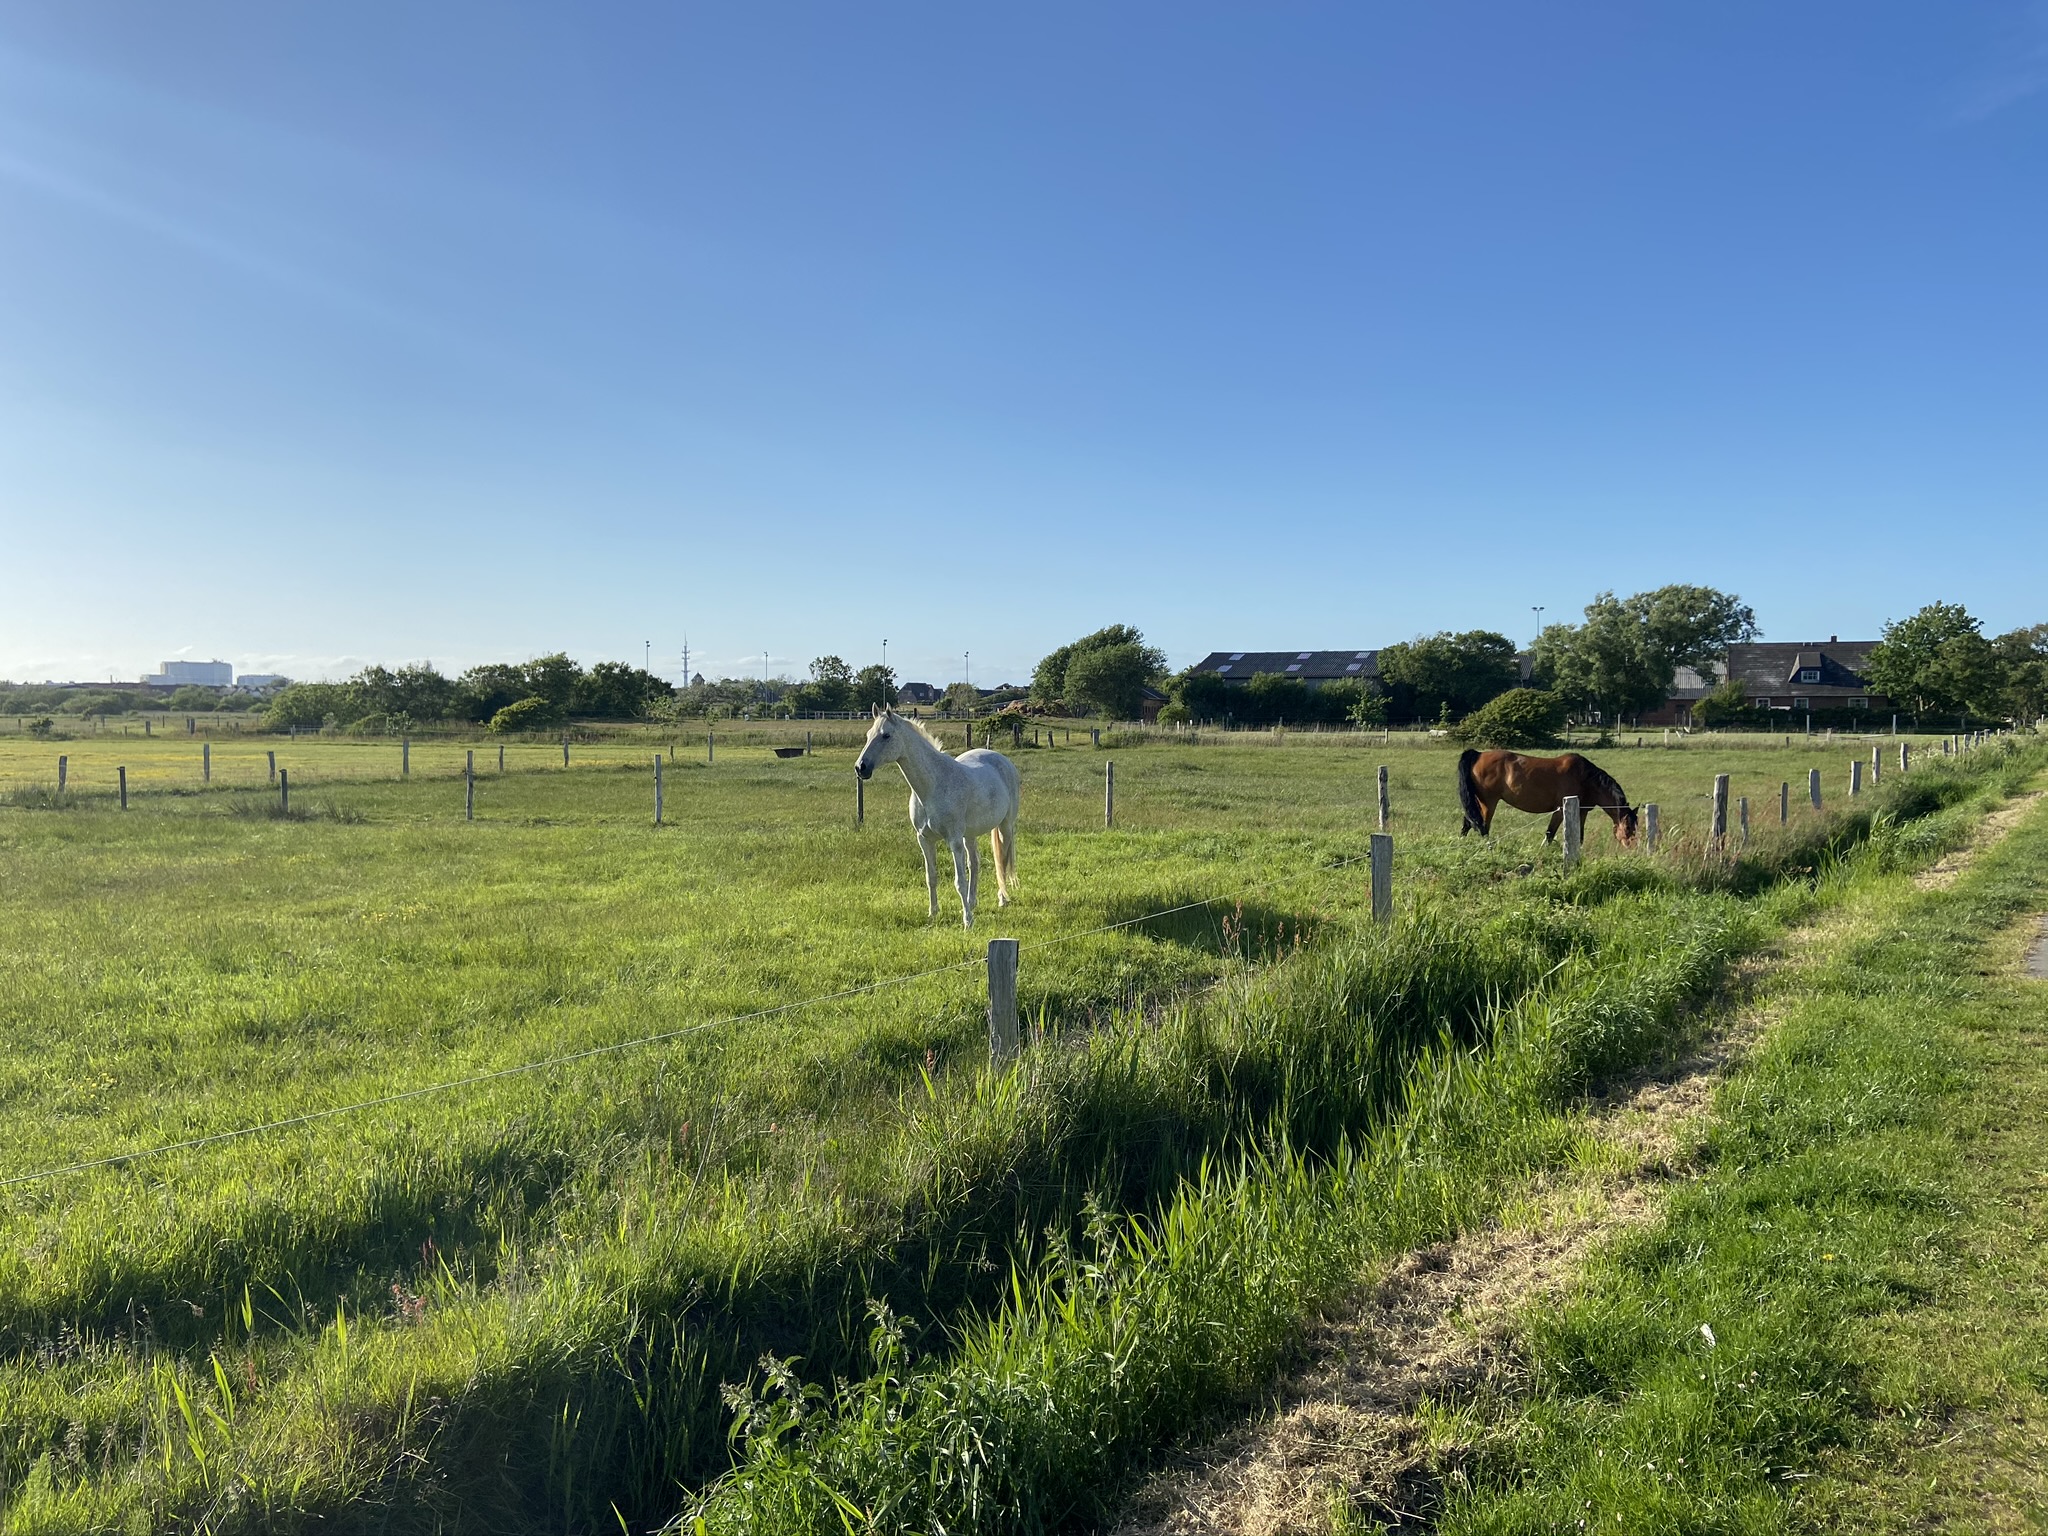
(1006, 854)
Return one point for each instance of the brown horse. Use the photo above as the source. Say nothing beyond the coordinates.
(1539, 784)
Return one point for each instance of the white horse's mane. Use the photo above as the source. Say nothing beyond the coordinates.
(917, 725)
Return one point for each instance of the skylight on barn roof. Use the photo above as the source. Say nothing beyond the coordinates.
(1303, 655)
(1237, 655)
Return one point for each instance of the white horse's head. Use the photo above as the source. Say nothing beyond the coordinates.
(885, 743)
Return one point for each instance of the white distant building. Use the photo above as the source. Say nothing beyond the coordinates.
(259, 680)
(203, 674)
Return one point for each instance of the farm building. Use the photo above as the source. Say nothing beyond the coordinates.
(1687, 689)
(919, 694)
(1802, 675)
(1795, 676)
(1314, 668)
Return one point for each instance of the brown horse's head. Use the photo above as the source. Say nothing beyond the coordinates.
(1625, 825)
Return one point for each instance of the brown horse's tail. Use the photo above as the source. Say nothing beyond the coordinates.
(1468, 791)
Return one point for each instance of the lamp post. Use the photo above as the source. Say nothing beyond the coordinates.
(1537, 609)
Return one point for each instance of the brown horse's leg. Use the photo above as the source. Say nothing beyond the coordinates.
(1556, 821)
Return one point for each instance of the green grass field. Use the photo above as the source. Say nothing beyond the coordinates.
(511, 1304)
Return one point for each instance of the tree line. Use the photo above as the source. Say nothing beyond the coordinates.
(1620, 659)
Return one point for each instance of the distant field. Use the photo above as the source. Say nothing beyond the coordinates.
(198, 964)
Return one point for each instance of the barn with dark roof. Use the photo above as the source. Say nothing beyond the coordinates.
(1314, 668)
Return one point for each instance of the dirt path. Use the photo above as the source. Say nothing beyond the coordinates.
(1345, 1430)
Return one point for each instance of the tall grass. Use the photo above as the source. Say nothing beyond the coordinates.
(515, 1310)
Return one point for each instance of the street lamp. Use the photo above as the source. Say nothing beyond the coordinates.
(1537, 609)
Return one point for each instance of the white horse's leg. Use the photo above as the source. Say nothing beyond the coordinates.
(1005, 845)
(928, 845)
(963, 878)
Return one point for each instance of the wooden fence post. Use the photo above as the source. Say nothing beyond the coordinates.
(124, 787)
(1571, 831)
(206, 762)
(1095, 735)
(1002, 1001)
(272, 776)
(1905, 757)
(657, 789)
(710, 747)
(469, 785)
(405, 757)
(284, 790)
(565, 749)
(1109, 795)
(1855, 776)
(807, 743)
(1717, 830)
(1386, 810)
(501, 757)
(63, 772)
(1742, 818)
(1650, 828)
(1784, 802)
(1813, 786)
(1382, 848)
(860, 799)
(1876, 765)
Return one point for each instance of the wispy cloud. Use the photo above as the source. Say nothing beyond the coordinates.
(2021, 73)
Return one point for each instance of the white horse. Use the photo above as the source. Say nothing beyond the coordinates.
(952, 800)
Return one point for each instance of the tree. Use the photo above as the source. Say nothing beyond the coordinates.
(829, 689)
(1937, 661)
(1204, 695)
(1430, 672)
(1049, 677)
(1608, 663)
(1693, 626)
(2023, 654)
(960, 699)
(615, 690)
(303, 706)
(1349, 700)
(1110, 679)
(874, 685)
(553, 678)
(482, 691)
(1271, 697)
(193, 700)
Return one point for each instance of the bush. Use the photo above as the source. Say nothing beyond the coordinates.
(41, 727)
(1726, 705)
(1521, 717)
(529, 714)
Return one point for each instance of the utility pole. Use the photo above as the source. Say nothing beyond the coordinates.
(646, 655)
(686, 658)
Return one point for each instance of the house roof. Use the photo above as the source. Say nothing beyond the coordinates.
(1309, 666)
(1774, 668)
(1687, 685)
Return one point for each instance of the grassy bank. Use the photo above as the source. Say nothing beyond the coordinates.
(1840, 1323)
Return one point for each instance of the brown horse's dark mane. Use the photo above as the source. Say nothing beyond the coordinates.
(1607, 784)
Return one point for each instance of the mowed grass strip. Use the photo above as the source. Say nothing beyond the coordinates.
(1840, 1325)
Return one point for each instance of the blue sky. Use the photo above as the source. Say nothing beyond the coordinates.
(379, 332)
